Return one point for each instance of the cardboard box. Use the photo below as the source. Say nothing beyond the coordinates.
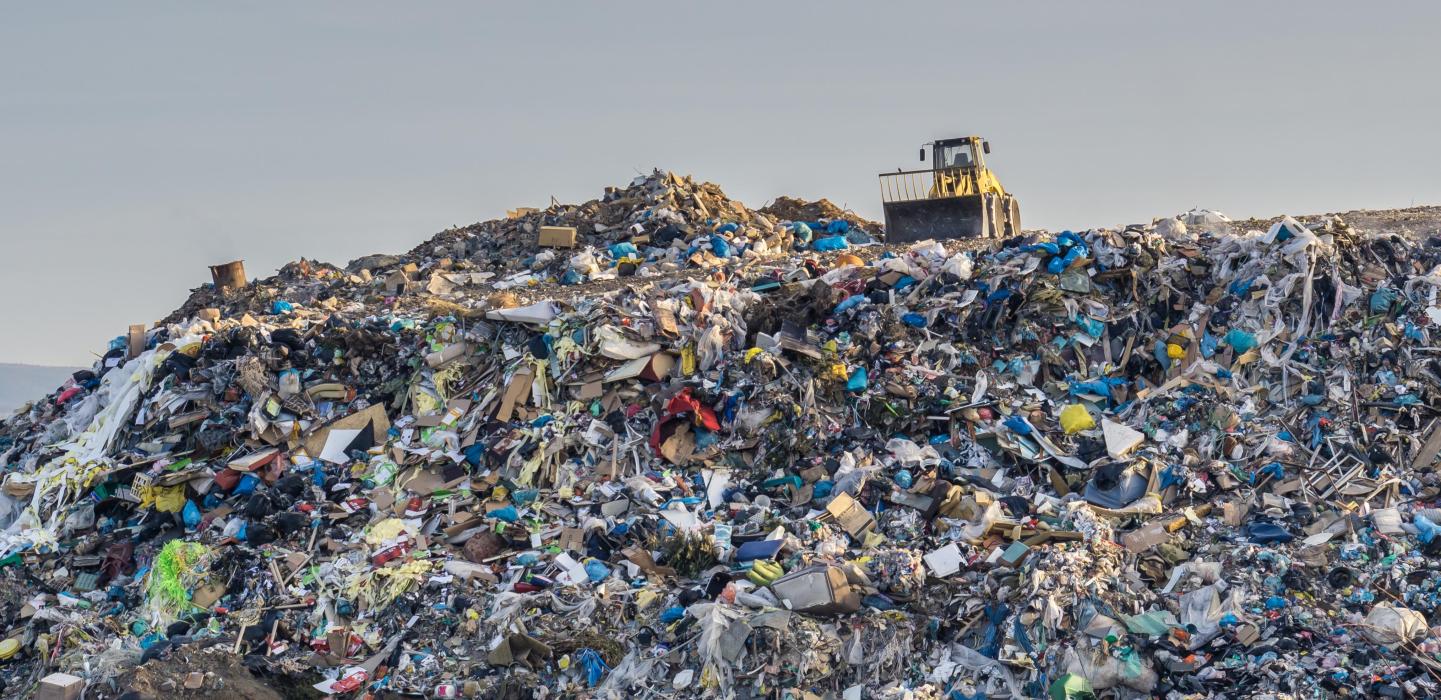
(556, 237)
(135, 341)
(396, 282)
(59, 686)
(818, 590)
(229, 275)
(850, 515)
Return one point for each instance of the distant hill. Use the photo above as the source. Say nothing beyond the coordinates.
(21, 383)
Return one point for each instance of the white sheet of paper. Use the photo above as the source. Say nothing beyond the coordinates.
(335, 442)
(574, 571)
(682, 519)
(716, 484)
(944, 561)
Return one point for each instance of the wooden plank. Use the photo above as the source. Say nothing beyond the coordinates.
(1428, 450)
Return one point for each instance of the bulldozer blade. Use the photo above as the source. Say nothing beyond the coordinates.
(951, 217)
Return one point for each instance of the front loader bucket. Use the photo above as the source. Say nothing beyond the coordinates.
(949, 217)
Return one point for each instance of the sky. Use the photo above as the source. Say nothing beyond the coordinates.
(144, 141)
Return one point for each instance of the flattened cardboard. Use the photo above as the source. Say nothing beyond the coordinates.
(850, 515)
(679, 446)
(652, 368)
(373, 417)
(426, 482)
(519, 649)
(205, 595)
(646, 562)
(571, 540)
(665, 318)
(515, 394)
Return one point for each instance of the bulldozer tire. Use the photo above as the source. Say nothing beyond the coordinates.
(1013, 217)
(996, 215)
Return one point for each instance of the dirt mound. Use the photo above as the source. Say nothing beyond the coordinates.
(211, 673)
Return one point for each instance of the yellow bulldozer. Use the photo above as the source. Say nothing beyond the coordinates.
(957, 197)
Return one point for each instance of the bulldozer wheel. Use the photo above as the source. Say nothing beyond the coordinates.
(1013, 217)
(996, 226)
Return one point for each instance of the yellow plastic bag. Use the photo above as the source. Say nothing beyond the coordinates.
(169, 499)
(1075, 418)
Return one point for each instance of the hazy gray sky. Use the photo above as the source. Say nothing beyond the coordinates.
(144, 141)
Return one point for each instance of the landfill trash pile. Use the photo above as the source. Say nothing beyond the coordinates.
(681, 448)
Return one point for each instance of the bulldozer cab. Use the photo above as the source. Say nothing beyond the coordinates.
(957, 197)
(954, 153)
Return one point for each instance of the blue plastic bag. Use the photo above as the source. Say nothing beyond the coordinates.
(1091, 326)
(191, 514)
(1381, 300)
(623, 249)
(1268, 533)
(822, 488)
(594, 666)
(1240, 340)
(1209, 343)
(850, 303)
(246, 485)
(830, 244)
(1018, 425)
(858, 380)
(1427, 529)
(1096, 387)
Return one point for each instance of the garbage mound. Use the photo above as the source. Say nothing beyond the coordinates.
(662, 445)
(795, 209)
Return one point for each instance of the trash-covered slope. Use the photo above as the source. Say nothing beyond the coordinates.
(709, 452)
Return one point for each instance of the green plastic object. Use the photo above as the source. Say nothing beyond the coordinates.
(1072, 687)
